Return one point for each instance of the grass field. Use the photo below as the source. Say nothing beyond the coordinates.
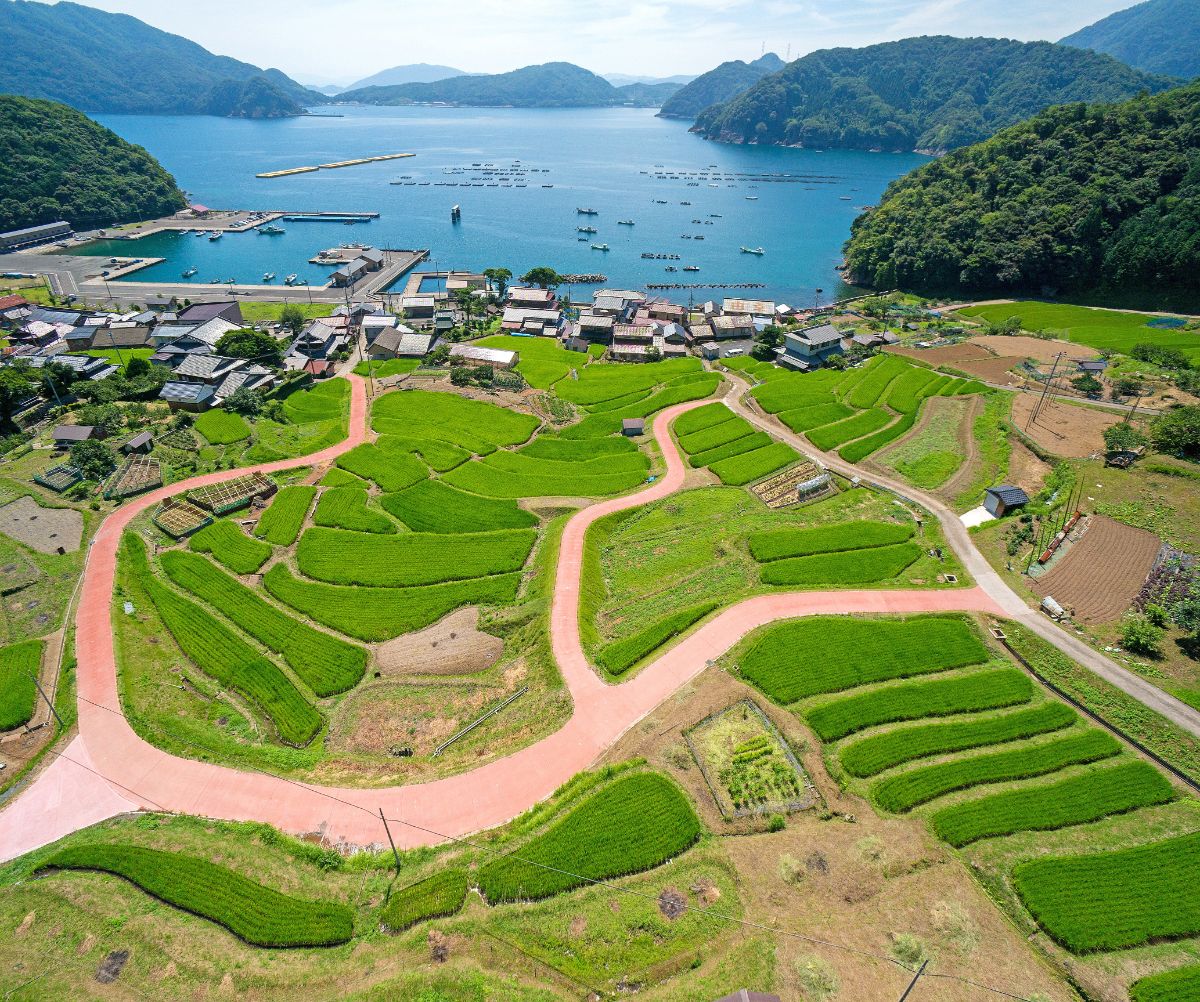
(222, 427)
(252, 912)
(242, 554)
(435, 506)
(471, 424)
(441, 894)
(931, 458)
(20, 664)
(254, 313)
(542, 362)
(348, 508)
(281, 523)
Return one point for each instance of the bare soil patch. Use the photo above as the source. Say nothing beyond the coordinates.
(453, 646)
(1039, 349)
(672, 903)
(44, 529)
(1100, 575)
(973, 359)
(111, 966)
(1026, 470)
(1063, 429)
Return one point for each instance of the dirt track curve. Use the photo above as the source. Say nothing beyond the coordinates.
(108, 770)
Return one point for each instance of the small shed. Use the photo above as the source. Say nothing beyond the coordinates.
(1092, 366)
(999, 501)
(710, 350)
(66, 435)
(143, 442)
(632, 427)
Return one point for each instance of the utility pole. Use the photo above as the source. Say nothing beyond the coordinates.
(387, 828)
(913, 983)
(48, 703)
(1037, 410)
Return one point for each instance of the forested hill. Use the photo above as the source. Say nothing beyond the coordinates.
(101, 62)
(552, 85)
(1160, 36)
(56, 163)
(932, 93)
(1080, 198)
(720, 84)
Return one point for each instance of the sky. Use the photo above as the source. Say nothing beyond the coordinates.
(340, 41)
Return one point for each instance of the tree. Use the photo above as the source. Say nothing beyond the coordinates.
(15, 388)
(1177, 432)
(765, 343)
(92, 459)
(1087, 384)
(499, 278)
(251, 344)
(1123, 437)
(1127, 386)
(245, 401)
(58, 378)
(1141, 636)
(293, 318)
(460, 375)
(653, 355)
(137, 367)
(466, 302)
(542, 277)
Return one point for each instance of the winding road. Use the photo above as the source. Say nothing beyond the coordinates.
(107, 770)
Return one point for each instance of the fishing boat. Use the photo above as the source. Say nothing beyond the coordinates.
(230, 281)
(625, 222)
(691, 267)
(844, 198)
(290, 280)
(600, 247)
(587, 212)
(547, 186)
(751, 198)
(586, 229)
(715, 215)
(685, 203)
(272, 230)
(753, 250)
(268, 276)
(215, 235)
(214, 281)
(671, 267)
(190, 272)
(660, 201)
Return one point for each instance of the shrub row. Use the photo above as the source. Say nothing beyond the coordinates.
(776, 544)
(281, 523)
(750, 466)
(346, 508)
(621, 655)
(254, 913)
(232, 547)
(1075, 801)
(859, 567)
(435, 506)
(433, 897)
(986, 690)
(446, 417)
(391, 470)
(821, 654)
(830, 436)
(19, 666)
(903, 792)
(326, 664)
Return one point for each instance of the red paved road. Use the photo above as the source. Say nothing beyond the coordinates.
(67, 796)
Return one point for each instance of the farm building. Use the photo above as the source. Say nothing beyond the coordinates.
(633, 427)
(999, 501)
(66, 435)
(469, 354)
(143, 442)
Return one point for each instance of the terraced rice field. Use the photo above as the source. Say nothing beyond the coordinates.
(389, 468)
(850, 553)
(325, 401)
(232, 547)
(20, 664)
(478, 427)
(281, 523)
(441, 894)
(348, 508)
(519, 474)
(222, 427)
(1180, 985)
(619, 656)
(543, 363)
(435, 506)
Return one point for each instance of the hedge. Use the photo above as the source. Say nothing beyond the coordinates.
(830, 436)
(436, 896)
(859, 567)
(346, 508)
(635, 823)
(873, 755)
(435, 506)
(471, 424)
(699, 418)
(392, 471)
(254, 913)
(750, 466)
(621, 655)
(20, 664)
(1075, 801)
(776, 544)
(222, 427)
(232, 547)
(326, 664)
(1179, 985)
(821, 654)
(747, 443)
(986, 690)
(281, 523)
(901, 793)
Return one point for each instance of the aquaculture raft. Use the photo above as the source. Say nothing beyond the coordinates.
(137, 474)
(178, 518)
(232, 494)
(59, 478)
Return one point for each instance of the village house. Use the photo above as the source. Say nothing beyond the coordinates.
(203, 381)
(199, 313)
(810, 347)
(401, 342)
(318, 340)
(526, 320)
(530, 299)
(758, 309)
(67, 435)
(595, 327)
(349, 273)
(418, 307)
(725, 328)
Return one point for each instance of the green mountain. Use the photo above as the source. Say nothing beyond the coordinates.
(1160, 36)
(101, 62)
(56, 163)
(552, 85)
(1079, 198)
(932, 93)
(724, 83)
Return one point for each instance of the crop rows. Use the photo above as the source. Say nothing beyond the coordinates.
(436, 896)
(750, 466)
(516, 475)
(793, 391)
(376, 614)
(859, 567)
(815, 415)
(873, 755)
(1179, 985)
(472, 424)
(635, 823)
(346, 508)
(747, 443)
(912, 387)
(1114, 900)
(412, 558)
(863, 423)
(281, 523)
(435, 506)
(903, 792)
(392, 471)
(324, 402)
(822, 654)
(232, 547)
(856, 452)
(566, 450)
(19, 666)
(707, 416)
(1075, 801)
(986, 690)
(326, 664)
(777, 544)
(439, 456)
(219, 652)
(222, 427)
(716, 436)
(883, 370)
(677, 392)
(254, 913)
(621, 655)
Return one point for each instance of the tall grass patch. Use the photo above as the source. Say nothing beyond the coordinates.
(436, 896)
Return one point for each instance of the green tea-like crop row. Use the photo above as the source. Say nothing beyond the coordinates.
(873, 755)
(326, 664)
(903, 792)
(815, 415)
(281, 523)
(1075, 801)
(411, 558)
(346, 508)
(228, 544)
(254, 913)
(1117, 899)
(436, 896)
(883, 371)
(1179, 985)
(795, 390)
(699, 418)
(222, 427)
(750, 442)
(776, 544)
(750, 466)
(621, 655)
(323, 402)
(377, 614)
(391, 470)
(435, 506)
(219, 652)
(472, 424)
(716, 436)
(600, 382)
(942, 697)
(635, 823)
(821, 654)
(856, 452)
(859, 567)
(910, 389)
(20, 664)
(514, 475)
(830, 436)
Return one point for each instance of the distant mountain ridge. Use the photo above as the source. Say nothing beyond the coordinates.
(719, 85)
(932, 94)
(1160, 36)
(410, 73)
(101, 62)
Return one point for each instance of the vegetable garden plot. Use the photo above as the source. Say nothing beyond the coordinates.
(230, 495)
(619, 656)
(906, 790)
(777, 544)
(377, 614)
(326, 664)
(1088, 797)
(392, 471)
(346, 508)
(986, 690)
(750, 466)
(222, 427)
(436, 896)
(1113, 900)
(858, 567)
(635, 823)
(471, 424)
(232, 547)
(254, 913)
(20, 664)
(59, 478)
(415, 558)
(281, 523)
(137, 474)
(178, 518)
(822, 654)
(435, 506)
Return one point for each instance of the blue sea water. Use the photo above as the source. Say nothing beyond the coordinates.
(796, 204)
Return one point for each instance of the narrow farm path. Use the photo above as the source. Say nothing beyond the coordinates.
(108, 770)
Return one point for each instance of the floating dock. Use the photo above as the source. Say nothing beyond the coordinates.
(333, 166)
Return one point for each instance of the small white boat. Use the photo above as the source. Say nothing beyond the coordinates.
(268, 276)
(215, 235)
(587, 212)
(586, 229)
(753, 250)
(600, 247)
(190, 272)
(626, 222)
(691, 267)
(290, 280)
